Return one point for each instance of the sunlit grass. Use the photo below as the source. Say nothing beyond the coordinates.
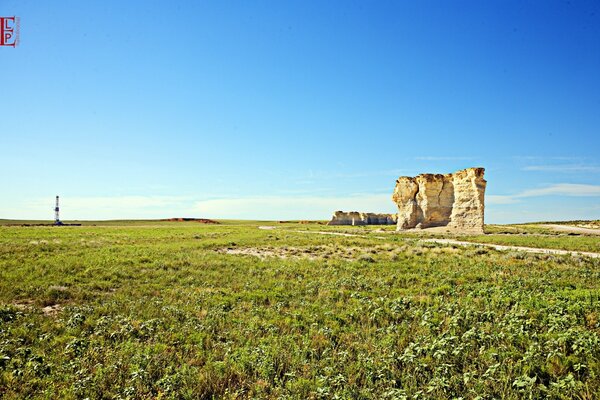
(161, 311)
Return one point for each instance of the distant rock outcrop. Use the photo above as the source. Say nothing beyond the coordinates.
(200, 220)
(452, 200)
(359, 218)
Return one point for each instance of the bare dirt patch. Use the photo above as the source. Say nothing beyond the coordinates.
(341, 234)
(319, 252)
(24, 305)
(260, 253)
(29, 305)
(52, 310)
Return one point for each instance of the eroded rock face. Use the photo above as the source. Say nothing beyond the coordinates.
(452, 200)
(359, 218)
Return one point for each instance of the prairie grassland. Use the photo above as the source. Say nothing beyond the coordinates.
(165, 311)
(564, 241)
(510, 235)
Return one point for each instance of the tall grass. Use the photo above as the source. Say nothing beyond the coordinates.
(161, 312)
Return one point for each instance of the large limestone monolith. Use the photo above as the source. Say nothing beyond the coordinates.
(453, 200)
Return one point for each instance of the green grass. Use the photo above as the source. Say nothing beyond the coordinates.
(565, 242)
(510, 235)
(160, 311)
(595, 222)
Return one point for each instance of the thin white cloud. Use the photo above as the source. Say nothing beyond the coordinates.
(124, 201)
(512, 216)
(286, 207)
(559, 189)
(105, 207)
(540, 158)
(435, 158)
(313, 176)
(500, 199)
(563, 189)
(568, 168)
(277, 207)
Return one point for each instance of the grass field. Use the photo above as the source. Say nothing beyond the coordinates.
(150, 309)
(564, 241)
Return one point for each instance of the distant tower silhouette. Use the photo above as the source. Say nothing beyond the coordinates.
(56, 217)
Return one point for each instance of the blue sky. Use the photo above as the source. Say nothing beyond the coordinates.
(294, 109)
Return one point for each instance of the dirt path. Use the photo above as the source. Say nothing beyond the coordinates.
(342, 234)
(516, 248)
(572, 229)
(463, 243)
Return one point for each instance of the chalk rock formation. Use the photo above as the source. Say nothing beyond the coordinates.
(359, 218)
(452, 200)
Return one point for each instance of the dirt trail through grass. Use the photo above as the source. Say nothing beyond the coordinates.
(572, 229)
(341, 234)
(463, 243)
(517, 248)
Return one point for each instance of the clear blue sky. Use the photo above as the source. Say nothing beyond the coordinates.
(293, 109)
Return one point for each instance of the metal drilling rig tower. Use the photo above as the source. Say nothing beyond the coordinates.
(56, 217)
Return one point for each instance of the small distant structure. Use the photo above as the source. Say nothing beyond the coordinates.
(57, 220)
(362, 218)
(200, 220)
